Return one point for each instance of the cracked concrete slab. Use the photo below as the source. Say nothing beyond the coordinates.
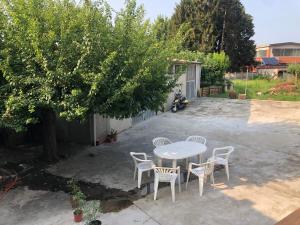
(27, 207)
(264, 169)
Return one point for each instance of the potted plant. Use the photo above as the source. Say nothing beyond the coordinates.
(232, 94)
(77, 196)
(242, 96)
(91, 209)
(78, 214)
(112, 136)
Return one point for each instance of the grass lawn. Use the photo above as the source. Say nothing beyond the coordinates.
(263, 86)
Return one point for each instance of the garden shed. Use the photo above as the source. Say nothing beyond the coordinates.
(188, 82)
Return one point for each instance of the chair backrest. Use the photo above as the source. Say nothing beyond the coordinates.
(135, 158)
(223, 152)
(159, 141)
(198, 139)
(165, 173)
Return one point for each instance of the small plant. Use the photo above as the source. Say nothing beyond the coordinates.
(78, 211)
(232, 95)
(77, 197)
(91, 210)
(112, 136)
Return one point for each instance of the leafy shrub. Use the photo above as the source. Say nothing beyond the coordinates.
(214, 68)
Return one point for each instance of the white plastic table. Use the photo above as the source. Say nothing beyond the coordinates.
(179, 150)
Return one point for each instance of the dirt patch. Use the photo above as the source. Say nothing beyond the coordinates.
(112, 200)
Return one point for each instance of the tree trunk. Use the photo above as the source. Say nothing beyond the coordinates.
(49, 135)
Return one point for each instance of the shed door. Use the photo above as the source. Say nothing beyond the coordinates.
(191, 82)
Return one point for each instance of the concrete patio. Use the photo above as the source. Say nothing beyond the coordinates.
(265, 174)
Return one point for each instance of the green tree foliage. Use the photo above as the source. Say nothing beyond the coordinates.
(294, 69)
(214, 68)
(214, 65)
(161, 28)
(215, 26)
(61, 59)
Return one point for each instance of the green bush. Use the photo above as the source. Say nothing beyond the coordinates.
(214, 68)
(214, 65)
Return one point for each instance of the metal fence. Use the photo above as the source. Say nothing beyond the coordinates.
(145, 115)
(242, 76)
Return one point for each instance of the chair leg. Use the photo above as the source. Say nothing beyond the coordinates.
(227, 171)
(159, 162)
(212, 178)
(187, 163)
(173, 190)
(134, 173)
(187, 179)
(179, 182)
(200, 186)
(155, 188)
(200, 158)
(139, 178)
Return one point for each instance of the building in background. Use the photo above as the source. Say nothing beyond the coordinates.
(273, 59)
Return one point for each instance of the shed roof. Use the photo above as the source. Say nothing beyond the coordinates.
(181, 61)
(277, 44)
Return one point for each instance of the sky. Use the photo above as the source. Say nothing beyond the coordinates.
(274, 20)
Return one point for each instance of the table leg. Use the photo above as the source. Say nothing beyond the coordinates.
(159, 162)
(187, 163)
(174, 163)
(200, 158)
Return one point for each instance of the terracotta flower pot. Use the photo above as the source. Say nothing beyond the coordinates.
(242, 96)
(78, 214)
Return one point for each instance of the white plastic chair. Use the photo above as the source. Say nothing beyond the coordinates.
(141, 165)
(221, 157)
(202, 171)
(165, 174)
(198, 139)
(159, 141)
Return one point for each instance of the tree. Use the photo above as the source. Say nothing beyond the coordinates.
(238, 31)
(60, 59)
(161, 28)
(198, 16)
(214, 68)
(215, 26)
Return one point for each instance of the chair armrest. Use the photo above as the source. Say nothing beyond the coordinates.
(223, 154)
(198, 165)
(227, 150)
(141, 154)
(191, 165)
(144, 160)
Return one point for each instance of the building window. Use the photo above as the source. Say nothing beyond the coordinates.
(261, 53)
(286, 52)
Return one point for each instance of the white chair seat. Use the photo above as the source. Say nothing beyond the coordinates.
(168, 177)
(219, 160)
(199, 171)
(144, 166)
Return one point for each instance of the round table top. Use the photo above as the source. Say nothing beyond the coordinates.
(180, 150)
